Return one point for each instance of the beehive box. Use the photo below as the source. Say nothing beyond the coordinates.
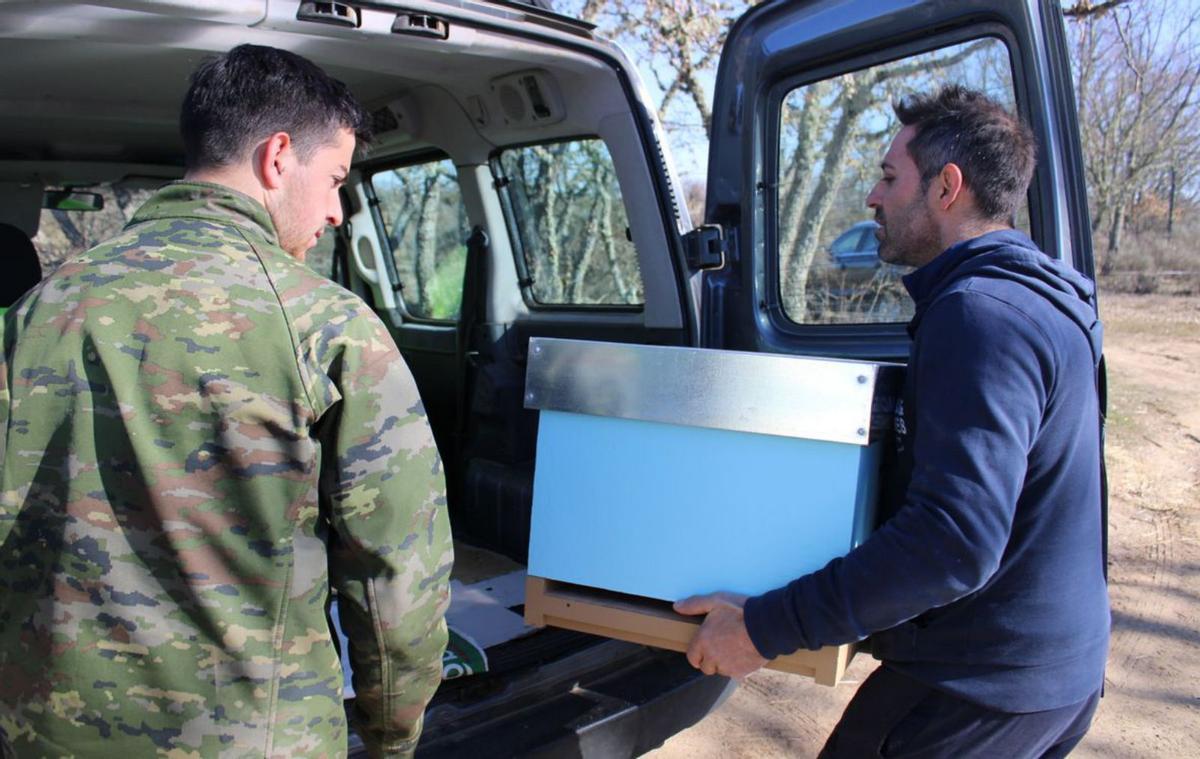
(653, 623)
(664, 472)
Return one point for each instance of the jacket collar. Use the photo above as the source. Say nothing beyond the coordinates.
(925, 283)
(211, 202)
(930, 279)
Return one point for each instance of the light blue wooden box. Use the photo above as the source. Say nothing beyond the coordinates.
(664, 472)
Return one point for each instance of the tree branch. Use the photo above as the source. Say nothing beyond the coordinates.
(1087, 9)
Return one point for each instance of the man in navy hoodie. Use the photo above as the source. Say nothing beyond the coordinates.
(983, 591)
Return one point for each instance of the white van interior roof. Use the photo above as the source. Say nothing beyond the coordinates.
(101, 82)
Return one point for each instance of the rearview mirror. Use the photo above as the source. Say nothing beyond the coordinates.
(72, 200)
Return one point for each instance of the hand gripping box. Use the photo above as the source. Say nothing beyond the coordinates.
(664, 472)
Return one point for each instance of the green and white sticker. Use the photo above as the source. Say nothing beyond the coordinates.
(463, 657)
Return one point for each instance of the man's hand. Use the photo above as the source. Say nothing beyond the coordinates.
(721, 646)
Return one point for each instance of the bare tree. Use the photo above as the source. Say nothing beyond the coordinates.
(1138, 72)
(682, 38)
(1086, 8)
(827, 127)
(426, 225)
(566, 195)
(430, 201)
(63, 234)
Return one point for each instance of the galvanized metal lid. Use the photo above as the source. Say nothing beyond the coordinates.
(815, 398)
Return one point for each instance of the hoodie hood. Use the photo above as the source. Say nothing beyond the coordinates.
(1010, 255)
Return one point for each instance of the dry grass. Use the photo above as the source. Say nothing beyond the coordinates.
(1150, 261)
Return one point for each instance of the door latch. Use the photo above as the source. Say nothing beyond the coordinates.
(704, 247)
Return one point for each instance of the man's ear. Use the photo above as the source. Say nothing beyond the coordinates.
(950, 187)
(275, 157)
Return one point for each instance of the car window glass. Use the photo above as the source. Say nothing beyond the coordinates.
(847, 242)
(65, 234)
(320, 257)
(427, 229)
(571, 224)
(832, 135)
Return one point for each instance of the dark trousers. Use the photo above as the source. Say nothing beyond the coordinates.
(895, 716)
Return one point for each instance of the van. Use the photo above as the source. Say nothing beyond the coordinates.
(521, 187)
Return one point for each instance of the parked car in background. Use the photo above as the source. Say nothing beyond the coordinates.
(857, 247)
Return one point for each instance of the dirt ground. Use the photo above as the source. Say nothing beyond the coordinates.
(1152, 702)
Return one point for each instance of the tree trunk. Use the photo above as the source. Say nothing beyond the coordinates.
(124, 198)
(76, 238)
(591, 235)
(1114, 240)
(797, 176)
(854, 99)
(1171, 205)
(610, 250)
(426, 267)
(548, 225)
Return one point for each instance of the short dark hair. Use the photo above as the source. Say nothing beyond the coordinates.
(995, 150)
(250, 93)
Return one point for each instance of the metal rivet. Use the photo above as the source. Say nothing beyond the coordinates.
(529, 397)
(862, 432)
(537, 349)
(862, 379)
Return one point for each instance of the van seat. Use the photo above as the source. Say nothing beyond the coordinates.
(22, 269)
(496, 503)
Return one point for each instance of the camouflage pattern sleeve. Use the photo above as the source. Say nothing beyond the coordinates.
(390, 550)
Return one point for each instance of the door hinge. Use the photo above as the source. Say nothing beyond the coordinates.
(704, 247)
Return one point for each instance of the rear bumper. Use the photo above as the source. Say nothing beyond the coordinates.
(610, 700)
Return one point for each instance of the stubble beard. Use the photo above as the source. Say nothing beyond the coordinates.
(911, 238)
(293, 240)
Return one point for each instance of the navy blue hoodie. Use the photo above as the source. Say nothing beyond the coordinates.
(986, 580)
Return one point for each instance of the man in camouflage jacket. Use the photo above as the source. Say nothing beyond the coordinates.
(200, 436)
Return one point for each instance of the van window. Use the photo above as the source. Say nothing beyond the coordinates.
(832, 135)
(570, 224)
(427, 230)
(65, 234)
(320, 256)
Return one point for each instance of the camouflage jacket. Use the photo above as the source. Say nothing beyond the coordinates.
(200, 435)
